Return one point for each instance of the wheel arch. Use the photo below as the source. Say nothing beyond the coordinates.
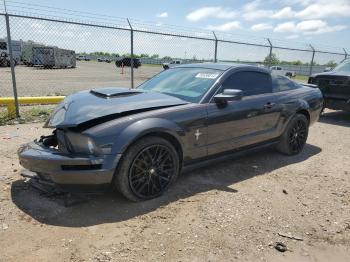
(165, 135)
(163, 128)
(304, 112)
(302, 107)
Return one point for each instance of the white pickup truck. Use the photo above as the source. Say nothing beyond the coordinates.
(171, 64)
(279, 71)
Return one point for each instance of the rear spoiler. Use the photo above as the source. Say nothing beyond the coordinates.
(308, 85)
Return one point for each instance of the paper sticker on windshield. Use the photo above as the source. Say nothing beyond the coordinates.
(206, 75)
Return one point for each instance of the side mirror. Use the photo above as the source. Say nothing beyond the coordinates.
(228, 95)
(327, 69)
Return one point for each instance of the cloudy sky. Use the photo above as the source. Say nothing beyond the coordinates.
(320, 22)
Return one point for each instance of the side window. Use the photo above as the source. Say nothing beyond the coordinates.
(251, 83)
(281, 83)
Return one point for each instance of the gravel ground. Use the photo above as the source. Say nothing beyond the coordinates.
(230, 211)
(33, 81)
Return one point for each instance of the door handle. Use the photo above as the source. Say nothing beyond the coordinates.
(269, 105)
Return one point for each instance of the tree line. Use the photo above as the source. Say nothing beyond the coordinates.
(107, 54)
(276, 61)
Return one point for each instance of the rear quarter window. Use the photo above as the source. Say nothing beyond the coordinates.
(281, 83)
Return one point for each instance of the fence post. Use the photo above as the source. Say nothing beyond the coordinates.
(132, 53)
(270, 54)
(346, 53)
(312, 60)
(12, 63)
(216, 48)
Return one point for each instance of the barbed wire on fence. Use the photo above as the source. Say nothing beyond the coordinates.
(69, 15)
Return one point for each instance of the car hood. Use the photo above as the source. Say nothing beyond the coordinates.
(333, 73)
(98, 103)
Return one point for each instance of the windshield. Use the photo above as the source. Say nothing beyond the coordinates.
(343, 67)
(189, 84)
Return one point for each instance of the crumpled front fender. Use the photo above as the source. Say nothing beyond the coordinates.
(143, 127)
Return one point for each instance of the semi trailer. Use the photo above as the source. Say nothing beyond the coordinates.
(53, 57)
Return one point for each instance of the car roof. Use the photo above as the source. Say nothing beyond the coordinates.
(224, 66)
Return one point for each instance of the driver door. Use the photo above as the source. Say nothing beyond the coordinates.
(247, 121)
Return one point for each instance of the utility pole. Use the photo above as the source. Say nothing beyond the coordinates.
(346, 53)
(270, 54)
(216, 48)
(312, 59)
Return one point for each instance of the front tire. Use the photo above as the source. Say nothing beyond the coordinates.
(295, 135)
(147, 169)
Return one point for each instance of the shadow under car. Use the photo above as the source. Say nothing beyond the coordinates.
(112, 207)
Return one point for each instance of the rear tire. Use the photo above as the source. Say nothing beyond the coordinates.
(295, 135)
(147, 169)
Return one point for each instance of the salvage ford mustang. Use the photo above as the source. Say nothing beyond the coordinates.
(140, 139)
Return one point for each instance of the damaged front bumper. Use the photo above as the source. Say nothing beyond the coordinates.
(68, 169)
(337, 103)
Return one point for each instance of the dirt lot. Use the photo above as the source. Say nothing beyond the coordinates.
(32, 81)
(230, 211)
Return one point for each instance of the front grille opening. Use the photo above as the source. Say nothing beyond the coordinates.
(80, 167)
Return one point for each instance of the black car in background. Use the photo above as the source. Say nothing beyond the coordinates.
(335, 86)
(126, 61)
(139, 140)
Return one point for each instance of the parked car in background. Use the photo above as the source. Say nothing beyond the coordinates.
(171, 64)
(335, 86)
(126, 61)
(83, 58)
(104, 59)
(280, 71)
(140, 139)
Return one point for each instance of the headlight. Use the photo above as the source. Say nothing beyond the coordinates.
(79, 143)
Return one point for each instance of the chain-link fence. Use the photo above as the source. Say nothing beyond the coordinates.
(58, 56)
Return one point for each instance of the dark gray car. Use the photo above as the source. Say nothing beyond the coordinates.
(140, 139)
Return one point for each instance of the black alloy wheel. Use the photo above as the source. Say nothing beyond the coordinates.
(297, 136)
(151, 171)
(147, 168)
